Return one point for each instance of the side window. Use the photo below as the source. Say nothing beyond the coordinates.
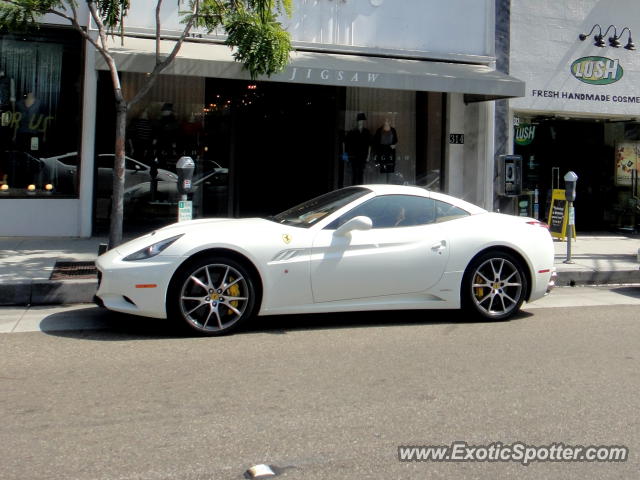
(131, 165)
(445, 212)
(105, 161)
(389, 211)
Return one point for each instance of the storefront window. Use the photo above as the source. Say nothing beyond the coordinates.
(167, 124)
(40, 93)
(379, 141)
(392, 137)
(260, 147)
(604, 154)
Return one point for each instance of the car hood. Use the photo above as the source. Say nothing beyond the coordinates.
(232, 231)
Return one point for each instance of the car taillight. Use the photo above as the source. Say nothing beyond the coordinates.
(536, 223)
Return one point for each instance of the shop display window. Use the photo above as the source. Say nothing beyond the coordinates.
(389, 137)
(168, 123)
(603, 153)
(40, 98)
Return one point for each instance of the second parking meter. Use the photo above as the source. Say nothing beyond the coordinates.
(570, 181)
(184, 169)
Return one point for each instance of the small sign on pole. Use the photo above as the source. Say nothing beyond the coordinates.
(560, 215)
(185, 211)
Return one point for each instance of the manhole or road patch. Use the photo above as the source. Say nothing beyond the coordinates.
(73, 271)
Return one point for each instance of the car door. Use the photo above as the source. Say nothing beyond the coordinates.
(396, 256)
(135, 173)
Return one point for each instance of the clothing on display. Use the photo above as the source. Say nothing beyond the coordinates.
(358, 148)
(384, 142)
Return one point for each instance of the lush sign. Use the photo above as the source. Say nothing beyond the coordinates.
(525, 133)
(597, 70)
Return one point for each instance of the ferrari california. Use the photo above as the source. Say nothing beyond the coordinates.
(370, 247)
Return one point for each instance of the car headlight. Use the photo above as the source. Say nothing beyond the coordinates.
(151, 250)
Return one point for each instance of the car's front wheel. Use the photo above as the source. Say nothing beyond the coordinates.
(494, 286)
(212, 295)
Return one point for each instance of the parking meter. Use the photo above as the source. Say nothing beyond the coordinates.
(184, 169)
(570, 181)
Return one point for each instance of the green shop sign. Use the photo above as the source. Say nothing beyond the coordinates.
(525, 133)
(597, 70)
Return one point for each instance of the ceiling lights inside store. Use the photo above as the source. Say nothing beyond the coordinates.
(614, 40)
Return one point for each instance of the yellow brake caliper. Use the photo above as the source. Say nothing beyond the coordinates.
(234, 291)
(479, 291)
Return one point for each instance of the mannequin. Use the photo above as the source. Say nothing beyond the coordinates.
(7, 107)
(140, 137)
(7, 92)
(385, 142)
(166, 131)
(357, 146)
(30, 127)
(191, 135)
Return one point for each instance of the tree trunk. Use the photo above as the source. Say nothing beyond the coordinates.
(117, 196)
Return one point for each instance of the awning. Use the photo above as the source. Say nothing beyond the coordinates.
(478, 82)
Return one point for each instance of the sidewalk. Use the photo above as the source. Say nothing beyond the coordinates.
(26, 264)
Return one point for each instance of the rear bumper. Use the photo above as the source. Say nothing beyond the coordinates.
(552, 281)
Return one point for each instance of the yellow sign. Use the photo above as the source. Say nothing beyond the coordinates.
(559, 215)
(286, 238)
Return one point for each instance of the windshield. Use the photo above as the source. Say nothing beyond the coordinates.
(309, 212)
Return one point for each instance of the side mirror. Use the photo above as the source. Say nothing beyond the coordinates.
(356, 223)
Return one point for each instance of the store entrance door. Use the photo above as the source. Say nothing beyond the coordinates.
(586, 147)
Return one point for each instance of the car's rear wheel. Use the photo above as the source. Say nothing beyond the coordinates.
(494, 286)
(212, 295)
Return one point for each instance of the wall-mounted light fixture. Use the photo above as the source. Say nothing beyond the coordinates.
(614, 41)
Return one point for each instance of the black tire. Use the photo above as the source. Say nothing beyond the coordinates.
(494, 286)
(212, 295)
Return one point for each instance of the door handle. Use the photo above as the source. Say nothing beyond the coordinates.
(441, 245)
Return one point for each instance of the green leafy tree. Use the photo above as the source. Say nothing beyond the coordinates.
(251, 26)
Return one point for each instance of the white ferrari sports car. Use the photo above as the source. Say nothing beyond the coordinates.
(370, 247)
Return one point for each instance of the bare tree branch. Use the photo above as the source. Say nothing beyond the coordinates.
(158, 6)
(105, 52)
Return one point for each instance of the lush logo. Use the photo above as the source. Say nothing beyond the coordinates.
(525, 134)
(597, 70)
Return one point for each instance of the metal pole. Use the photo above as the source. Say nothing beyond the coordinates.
(569, 234)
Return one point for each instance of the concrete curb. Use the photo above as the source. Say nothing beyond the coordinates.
(47, 292)
(61, 292)
(590, 277)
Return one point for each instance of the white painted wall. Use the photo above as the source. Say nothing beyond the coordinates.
(43, 217)
(430, 26)
(454, 154)
(87, 158)
(423, 25)
(544, 44)
(81, 9)
(469, 167)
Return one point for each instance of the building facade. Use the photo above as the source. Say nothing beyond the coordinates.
(376, 92)
(581, 110)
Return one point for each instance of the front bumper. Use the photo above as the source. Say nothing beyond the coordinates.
(139, 287)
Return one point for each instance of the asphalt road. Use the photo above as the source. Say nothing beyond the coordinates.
(319, 397)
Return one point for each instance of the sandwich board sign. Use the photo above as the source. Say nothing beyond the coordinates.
(559, 215)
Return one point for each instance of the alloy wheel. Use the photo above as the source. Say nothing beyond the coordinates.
(214, 297)
(497, 287)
